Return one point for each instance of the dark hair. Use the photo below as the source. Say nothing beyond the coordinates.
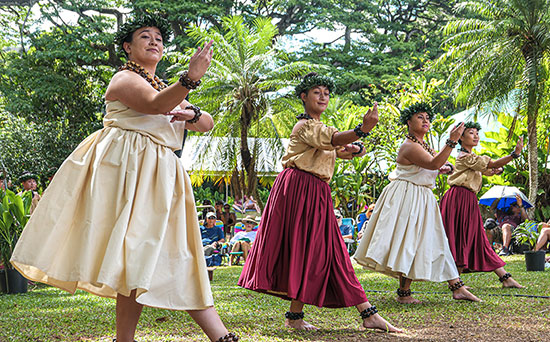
(26, 176)
(312, 80)
(139, 20)
(219, 202)
(416, 108)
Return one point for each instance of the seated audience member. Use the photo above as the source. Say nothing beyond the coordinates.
(242, 241)
(345, 230)
(228, 218)
(493, 231)
(29, 183)
(508, 221)
(544, 236)
(3, 182)
(250, 205)
(219, 209)
(212, 236)
(364, 218)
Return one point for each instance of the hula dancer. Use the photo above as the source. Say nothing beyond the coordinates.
(299, 254)
(460, 210)
(119, 219)
(405, 237)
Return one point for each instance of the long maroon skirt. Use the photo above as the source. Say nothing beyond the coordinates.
(299, 252)
(465, 232)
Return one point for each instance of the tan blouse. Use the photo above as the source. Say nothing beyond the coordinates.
(310, 149)
(468, 173)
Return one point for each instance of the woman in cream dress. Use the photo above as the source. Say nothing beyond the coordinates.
(118, 219)
(405, 237)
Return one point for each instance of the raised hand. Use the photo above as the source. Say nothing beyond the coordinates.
(519, 146)
(457, 131)
(519, 200)
(200, 61)
(370, 119)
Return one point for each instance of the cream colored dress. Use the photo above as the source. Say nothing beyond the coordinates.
(405, 234)
(120, 215)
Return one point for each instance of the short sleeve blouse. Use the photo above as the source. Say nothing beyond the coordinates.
(310, 149)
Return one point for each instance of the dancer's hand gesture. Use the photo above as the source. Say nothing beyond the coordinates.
(200, 61)
(519, 146)
(457, 131)
(370, 119)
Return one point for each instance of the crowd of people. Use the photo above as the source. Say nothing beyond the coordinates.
(128, 226)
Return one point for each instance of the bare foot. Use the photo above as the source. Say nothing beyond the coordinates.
(407, 300)
(299, 324)
(510, 282)
(377, 322)
(463, 294)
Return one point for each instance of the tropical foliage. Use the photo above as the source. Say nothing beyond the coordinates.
(14, 214)
(241, 90)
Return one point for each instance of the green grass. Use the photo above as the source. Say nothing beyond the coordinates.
(49, 314)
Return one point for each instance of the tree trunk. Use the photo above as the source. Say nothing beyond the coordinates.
(532, 113)
(347, 40)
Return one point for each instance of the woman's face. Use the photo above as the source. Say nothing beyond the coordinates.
(420, 123)
(248, 226)
(316, 99)
(515, 209)
(146, 45)
(470, 137)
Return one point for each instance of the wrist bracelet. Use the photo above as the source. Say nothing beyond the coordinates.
(197, 116)
(359, 132)
(188, 82)
(451, 143)
(514, 155)
(451, 166)
(361, 147)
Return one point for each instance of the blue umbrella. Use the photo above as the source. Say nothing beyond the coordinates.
(506, 196)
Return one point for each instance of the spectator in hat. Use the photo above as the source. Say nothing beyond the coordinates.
(242, 241)
(212, 236)
(29, 182)
(345, 230)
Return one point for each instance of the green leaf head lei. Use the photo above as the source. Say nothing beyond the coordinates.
(471, 124)
(420, 107)
(139, 20)
(313, 79)
(26, 176)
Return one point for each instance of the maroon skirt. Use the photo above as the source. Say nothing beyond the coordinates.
(465, 232)
(299, 252)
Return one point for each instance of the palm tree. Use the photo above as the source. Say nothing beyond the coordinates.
(244, 91)
(502, 54)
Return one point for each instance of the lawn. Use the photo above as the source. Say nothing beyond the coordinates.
(49, 314)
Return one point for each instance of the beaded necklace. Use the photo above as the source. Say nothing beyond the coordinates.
(424, 144)
(462, 149)
(154, 81)
(304, 116)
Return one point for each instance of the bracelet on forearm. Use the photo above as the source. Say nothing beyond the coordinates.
(197, 116)
(359, 132)
(451, 166)
(514, 155)
(451, 143)
(187, 82)
(361, 147)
